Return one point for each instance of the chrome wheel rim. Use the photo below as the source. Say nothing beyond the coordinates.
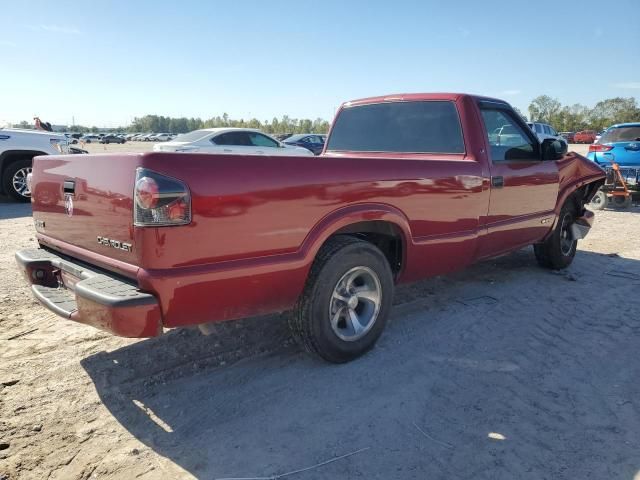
(19, 181)
(355, 304)
(566, 237)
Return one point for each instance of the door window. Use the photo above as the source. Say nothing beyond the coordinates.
(507, 139)
(260, 140)
(547, 130)
(539, 128)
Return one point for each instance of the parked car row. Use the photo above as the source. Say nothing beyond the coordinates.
(150, 137)
(543, 131)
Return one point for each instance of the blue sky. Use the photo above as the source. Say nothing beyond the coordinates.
(107, 62)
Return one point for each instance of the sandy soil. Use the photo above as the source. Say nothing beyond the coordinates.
(502, 371)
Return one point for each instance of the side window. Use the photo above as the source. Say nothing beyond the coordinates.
(259, 140)
(314, 139)
(507, 140)
(547, 130)
(222, 139)
(539, 128)
(237, 139)
(553, 132)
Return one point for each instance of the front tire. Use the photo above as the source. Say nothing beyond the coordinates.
(14, 180)
(558, 250)
(346, 301)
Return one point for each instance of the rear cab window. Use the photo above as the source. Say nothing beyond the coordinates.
(398, 127)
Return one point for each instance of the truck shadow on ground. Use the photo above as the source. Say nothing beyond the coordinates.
(10, 209)
(504, 370)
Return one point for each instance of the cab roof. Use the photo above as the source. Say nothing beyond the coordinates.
(417, 97)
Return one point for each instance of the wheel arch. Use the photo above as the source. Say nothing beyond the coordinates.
(382, 225)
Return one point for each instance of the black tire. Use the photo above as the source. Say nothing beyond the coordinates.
(618, 201)
(8, 179)
(558, 250)
(599, 201)
(311, 320)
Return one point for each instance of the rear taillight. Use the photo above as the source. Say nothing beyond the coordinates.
(597, 147)
(160, 200)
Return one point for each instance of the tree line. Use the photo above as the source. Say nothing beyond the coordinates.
(155, 123)
(573, 118)
(564, 118)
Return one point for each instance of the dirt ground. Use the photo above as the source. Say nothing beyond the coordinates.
(503, 371)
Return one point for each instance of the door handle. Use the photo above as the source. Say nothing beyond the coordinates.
(497, 182)
(227, 150)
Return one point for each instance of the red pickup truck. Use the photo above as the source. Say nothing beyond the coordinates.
(408, 186)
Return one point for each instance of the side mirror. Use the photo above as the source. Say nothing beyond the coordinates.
(553, 149)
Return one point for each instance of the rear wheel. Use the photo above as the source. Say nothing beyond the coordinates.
(599, 201)
(346, 301)
(558, 250)
(14, 180)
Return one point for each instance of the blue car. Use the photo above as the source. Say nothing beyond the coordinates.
(310, 141)
(619, 143)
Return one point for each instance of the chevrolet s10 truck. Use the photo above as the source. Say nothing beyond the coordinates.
(407, 187)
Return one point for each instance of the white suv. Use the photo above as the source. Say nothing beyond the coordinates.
(17, 149)
(543, 131)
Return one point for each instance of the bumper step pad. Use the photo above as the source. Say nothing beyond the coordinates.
(98, 299)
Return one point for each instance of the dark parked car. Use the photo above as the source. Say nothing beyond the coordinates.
(310, 141)
(112, 139)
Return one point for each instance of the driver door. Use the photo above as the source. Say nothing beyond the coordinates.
(524, 188)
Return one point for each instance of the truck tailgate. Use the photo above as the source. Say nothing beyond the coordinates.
(84, 203)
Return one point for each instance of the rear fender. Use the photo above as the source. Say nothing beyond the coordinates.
(343, 217)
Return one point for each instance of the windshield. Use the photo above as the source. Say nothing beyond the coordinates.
(622, 134)
(192, 136)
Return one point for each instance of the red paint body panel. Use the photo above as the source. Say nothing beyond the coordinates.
(258, 222)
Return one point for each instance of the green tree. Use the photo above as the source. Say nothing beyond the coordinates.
(614, 110)
(544, 109)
